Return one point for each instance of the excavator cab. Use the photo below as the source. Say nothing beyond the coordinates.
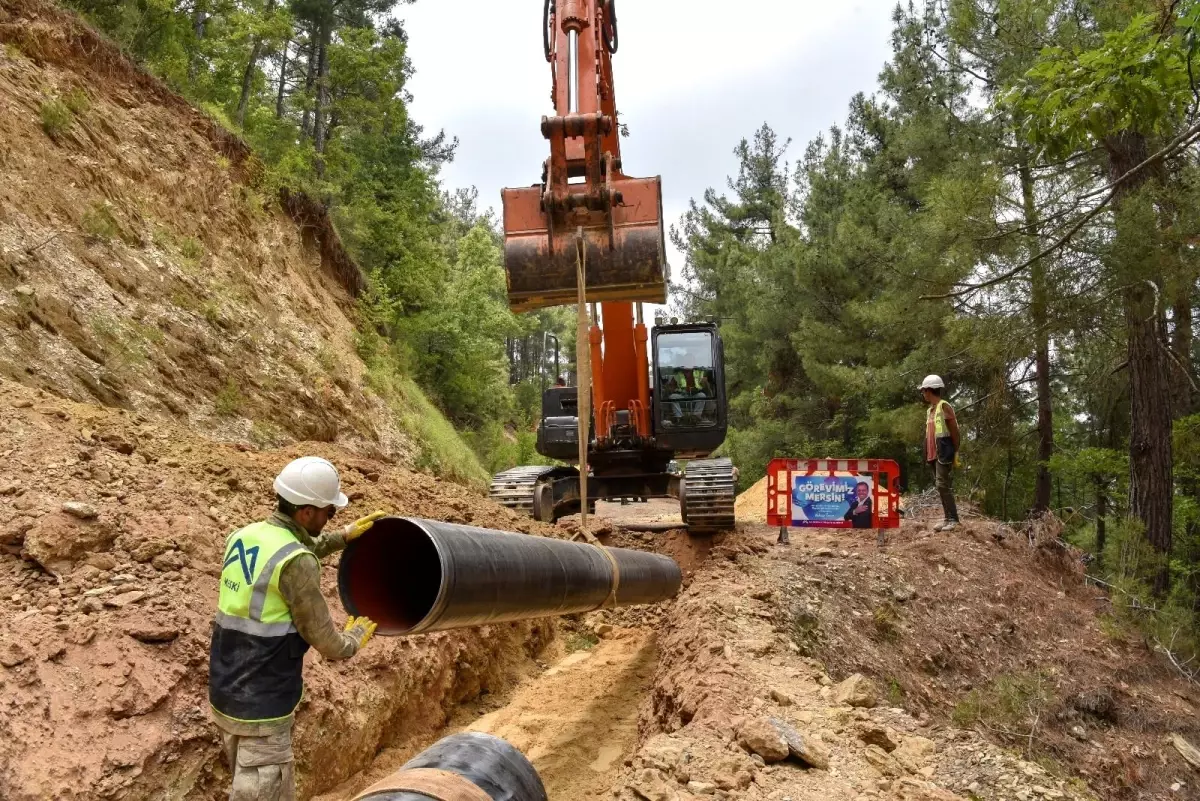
(690, 415)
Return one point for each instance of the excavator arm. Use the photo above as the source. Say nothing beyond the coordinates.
(583, 185)
(585, 198)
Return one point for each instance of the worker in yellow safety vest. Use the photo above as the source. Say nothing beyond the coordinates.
(269, 612)
(941, 447)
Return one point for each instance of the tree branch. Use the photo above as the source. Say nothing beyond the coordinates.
(1181, 141)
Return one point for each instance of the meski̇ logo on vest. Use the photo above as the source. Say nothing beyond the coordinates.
(239, 553)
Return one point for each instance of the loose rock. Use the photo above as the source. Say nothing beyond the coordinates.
(762, 737)
(857, 691)
(150, 633)
(81, 510)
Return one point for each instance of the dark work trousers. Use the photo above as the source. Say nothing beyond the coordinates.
(943, 473)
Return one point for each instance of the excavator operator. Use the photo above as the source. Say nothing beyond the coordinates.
(269, 612)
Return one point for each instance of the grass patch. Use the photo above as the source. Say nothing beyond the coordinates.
(887, 622)
(228, 401)
(581, 641)
(192, 250)
(895, 693)
(442, 451)
(57, 119)
(1011, 705)
(77, 102)
(163, 237)
(12, 52)
(265, 435)
(128, 344)
(212, 313)
(254, 202)
(327, 359)
(804, 627)
(99, 224)
(150, 333)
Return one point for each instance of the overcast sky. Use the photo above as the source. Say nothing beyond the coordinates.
(692, 79)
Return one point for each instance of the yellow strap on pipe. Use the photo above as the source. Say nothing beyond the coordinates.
(611, 600)
(441, 785)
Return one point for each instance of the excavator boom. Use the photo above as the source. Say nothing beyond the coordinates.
(583, 186)
(585, 197)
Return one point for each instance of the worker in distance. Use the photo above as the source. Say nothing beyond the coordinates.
(941, 447)
(270, 611)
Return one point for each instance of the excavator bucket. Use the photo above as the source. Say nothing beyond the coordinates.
(626, 254)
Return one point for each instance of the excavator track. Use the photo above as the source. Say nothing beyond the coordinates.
(514, 488)
(708, 495)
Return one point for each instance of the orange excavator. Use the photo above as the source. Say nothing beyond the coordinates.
(589, 234)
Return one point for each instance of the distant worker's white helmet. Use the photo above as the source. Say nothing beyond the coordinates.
(311, 481)
(933, 382)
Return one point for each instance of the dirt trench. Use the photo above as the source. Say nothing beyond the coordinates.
(576, 715)
(576, 720)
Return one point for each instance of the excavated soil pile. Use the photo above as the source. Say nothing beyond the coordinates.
(831, 669)
(112, 529)
(143, 267)
(751, 505)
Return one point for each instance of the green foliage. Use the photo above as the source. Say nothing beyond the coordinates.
(887, 622)
(126, 341)
(1134, 79)
(99, 224)
(442, 450)
(1011, 704)
(192, 250)
(56, 118)
(77, 101)
(228, 401)
(264, 434)
(581, 641)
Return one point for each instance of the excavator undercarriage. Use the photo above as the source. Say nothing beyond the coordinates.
(653, 396)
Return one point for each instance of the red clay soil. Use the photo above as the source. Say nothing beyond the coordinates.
(112, 530)
(1001, 636)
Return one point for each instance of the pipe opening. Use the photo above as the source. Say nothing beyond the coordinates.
(370, 584)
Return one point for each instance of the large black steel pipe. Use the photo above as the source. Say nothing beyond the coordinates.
(413, 576)
(481, 767)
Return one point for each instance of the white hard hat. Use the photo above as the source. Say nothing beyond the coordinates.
(311, 481)
(933, 382)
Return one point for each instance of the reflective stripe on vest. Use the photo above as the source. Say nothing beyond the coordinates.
(940, 429)
(256, 656)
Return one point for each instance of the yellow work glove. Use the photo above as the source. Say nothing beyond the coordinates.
(361, 526)
(361, 629)
(957, 464)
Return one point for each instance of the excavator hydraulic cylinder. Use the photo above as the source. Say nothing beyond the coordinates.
(414, 576)
(470, 766)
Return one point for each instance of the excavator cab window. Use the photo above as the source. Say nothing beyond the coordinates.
(687, 380)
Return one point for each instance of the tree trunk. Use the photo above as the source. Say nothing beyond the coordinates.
(283, 65)
(1039, 319)
(248, 82)
(1151, 484)
(199, 18)
(310, 77)
(1181, 347)
(319, 118)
